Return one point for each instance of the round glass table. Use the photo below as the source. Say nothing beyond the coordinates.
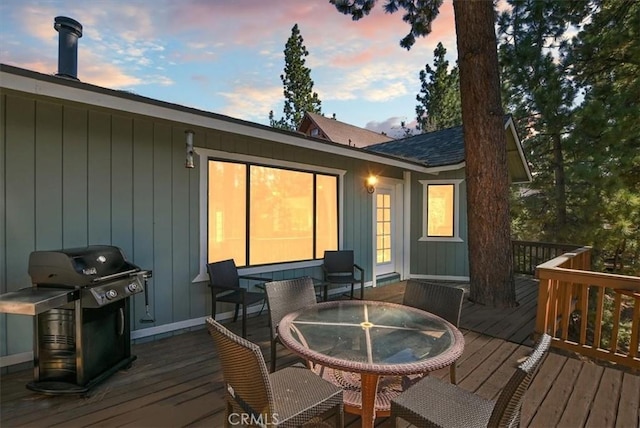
(373, 339)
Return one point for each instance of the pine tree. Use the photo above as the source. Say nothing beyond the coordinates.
(487, 177)
(298, 86)
(541, 95)
(606, 181)
(439, 97)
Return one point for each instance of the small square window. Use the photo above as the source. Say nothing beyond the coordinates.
(441, 216)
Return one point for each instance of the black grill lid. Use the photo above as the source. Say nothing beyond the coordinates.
(78, 266)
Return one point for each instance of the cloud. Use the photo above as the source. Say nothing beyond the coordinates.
(251, 103)
(392, 126)
(391, 91)
(229, 50)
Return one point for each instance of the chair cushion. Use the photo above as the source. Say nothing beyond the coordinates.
(300, 395)
(342, 279)
(236, 297)
(435, 403)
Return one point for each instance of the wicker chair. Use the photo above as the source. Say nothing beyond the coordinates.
(339, 269)
(433, 403)
(284, 297)
(441, 300)
(444, 301)
(224, 283)
(290, 397)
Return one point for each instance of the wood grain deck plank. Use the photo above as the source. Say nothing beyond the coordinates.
(582, 396)
(605, 403)
(550, 391)
(176, 380)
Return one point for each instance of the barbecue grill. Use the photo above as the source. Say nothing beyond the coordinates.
(80, 303)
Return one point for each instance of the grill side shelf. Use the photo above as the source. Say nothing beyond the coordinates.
(35, 300)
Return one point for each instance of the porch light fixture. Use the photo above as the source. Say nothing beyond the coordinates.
(189, 161)
(370, 183)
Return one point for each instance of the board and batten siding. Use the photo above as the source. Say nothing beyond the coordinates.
(77, 175)
(431, 259)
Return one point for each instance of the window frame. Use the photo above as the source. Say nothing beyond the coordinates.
(203, 156)
(456, 210)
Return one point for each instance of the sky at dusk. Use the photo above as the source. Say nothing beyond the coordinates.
(226, 56)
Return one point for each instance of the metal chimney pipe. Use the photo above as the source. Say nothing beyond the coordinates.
(69, 30)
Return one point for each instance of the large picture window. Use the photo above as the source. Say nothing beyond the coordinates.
(441, 210)
(261, 214)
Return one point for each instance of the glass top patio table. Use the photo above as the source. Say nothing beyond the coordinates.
(371, 338)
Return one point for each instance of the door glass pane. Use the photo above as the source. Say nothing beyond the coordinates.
(383, 228)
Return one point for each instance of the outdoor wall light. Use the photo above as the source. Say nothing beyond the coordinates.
(370, 183)
(189, 162)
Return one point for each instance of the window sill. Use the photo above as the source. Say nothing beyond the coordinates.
(440, 239)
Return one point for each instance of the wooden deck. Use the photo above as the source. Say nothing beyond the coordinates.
(176, 381)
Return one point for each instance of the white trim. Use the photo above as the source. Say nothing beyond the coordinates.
(107, 98)
(456, 211)
(406, 224)
(395, 187)
(13, 359)
(24, 357)
(442, 277)
(374, 245)
(223, 316)
(512, 127)
(204, 154)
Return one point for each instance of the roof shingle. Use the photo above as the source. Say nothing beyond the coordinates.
(438, 148)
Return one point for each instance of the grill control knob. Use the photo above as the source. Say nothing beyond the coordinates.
(111, 294)
(133, 287)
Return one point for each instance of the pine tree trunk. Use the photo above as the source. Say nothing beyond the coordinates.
(487, 176)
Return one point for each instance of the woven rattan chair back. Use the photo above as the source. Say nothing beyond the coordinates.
(442, 300)
(283, 297)
(507, 410)
(434, 403)
(247, 386)
(287, 296)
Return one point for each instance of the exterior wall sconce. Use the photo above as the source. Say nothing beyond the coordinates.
(370, 183)
(189, 161)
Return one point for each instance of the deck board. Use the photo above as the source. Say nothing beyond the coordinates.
(176, 381)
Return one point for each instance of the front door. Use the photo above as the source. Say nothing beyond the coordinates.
(387, 229)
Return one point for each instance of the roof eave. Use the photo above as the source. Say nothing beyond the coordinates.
(22, 80)
(525, 165)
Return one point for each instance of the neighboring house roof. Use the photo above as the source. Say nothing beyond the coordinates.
(339, 132)
(446, 148)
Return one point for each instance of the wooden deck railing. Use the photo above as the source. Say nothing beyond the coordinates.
(594, 314)
(528, 254)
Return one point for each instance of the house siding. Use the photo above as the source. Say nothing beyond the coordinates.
(437, 258)
(77, 175)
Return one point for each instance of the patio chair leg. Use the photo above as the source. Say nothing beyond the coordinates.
(235, 314)
(452, 373)
(244, 321)
(273, 356)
